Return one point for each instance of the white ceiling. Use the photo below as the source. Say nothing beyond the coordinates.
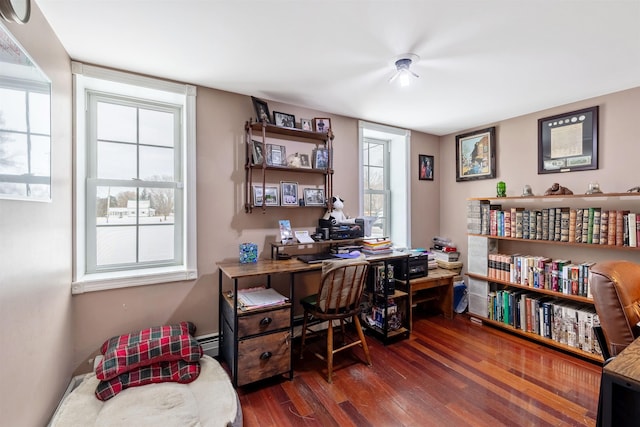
(480, 61)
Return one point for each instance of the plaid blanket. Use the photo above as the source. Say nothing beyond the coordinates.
(177, 371)
(144, 353)
(182, 328)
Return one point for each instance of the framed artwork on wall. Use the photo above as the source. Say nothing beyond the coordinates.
(568, 142)
(425, 167)
(476, 155)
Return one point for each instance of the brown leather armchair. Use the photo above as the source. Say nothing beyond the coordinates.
(615, 286)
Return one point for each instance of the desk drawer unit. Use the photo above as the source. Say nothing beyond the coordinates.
(264, 356)
(260, 323)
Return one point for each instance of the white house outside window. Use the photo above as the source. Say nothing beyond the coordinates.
(135, 180)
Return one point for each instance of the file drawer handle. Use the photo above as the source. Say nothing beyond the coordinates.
(266, 321)
(266, 355)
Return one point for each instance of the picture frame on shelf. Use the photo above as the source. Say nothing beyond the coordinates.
(305, 162)
(284, 120)
(314, 197)
(425, 167)
(258, 196)
(568, 142)
(289, 193)
(476, 155)
(306, 124)
(257, 152)
(276, 155)
(321, 124)
(320, 158)
(271, 196)
(262, 110)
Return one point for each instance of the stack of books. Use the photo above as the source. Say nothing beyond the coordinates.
(377, 246)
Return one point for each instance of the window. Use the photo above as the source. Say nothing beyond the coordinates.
(135, 180)
(384, 183)
(25, 125)
(375, 169)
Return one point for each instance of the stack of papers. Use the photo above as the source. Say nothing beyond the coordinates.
(377, 246)
(259, 297)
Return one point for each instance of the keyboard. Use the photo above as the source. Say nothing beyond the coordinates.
(315, 258)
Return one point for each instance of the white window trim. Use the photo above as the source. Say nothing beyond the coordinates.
(90, 77)
(399, 161)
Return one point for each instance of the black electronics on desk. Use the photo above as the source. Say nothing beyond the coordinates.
(418, 267)
(341, 231)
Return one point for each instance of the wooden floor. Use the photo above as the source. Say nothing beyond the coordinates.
(448, 373)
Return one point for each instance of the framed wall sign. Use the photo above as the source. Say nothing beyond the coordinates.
(425, 167)
(568, 142)
(476, 155)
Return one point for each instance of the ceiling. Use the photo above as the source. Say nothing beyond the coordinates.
(480, 61)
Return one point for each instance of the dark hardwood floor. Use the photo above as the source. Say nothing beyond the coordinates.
(448, 373)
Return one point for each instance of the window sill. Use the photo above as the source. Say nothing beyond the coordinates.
(128, 279)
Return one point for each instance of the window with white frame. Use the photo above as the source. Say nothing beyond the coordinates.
(135, 180)
(385, 182)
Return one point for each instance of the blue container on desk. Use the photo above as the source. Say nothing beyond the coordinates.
(248, 253)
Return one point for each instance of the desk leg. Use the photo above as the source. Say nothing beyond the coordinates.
(447, 302)
(605, 405)
(291, 296)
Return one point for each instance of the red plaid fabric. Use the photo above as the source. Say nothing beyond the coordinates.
(182, 328)
(168, 348)
(177, 371)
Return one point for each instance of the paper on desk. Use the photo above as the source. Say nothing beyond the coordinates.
(303, 236)
(259, 297)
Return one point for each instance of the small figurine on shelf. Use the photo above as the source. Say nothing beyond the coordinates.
(634, 190)
(526, 191)
(594, 188)
(501, 189)
(557, 189)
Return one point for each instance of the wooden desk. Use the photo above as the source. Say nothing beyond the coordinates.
(256, 344)
(620, 388)
(439, 279)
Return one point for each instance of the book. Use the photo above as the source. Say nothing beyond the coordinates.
(633, 242)
(597, 219)
(604, 227)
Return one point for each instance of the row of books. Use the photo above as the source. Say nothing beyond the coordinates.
(378, 314)
(558, 275)
(565, 322)
(593, 225)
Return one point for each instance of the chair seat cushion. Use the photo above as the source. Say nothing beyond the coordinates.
(309, 302)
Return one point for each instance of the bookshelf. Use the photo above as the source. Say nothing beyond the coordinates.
(514, 276)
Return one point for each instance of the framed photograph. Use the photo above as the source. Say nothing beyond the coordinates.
(276, 155)
(425, 167)
(284, 120)
(289, 192)
(314, 197)
(257, 152)
(320, 158)
(262, 110)
(306, 124)
(568, 142)
(271, 196)
(305, 162)
(476, 155)
(321, 124)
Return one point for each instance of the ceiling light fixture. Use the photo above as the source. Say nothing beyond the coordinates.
(403, 72)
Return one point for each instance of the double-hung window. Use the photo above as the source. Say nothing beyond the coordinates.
(135, 186)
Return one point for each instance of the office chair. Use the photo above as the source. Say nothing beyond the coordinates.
(338, 298)
(615, 286)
